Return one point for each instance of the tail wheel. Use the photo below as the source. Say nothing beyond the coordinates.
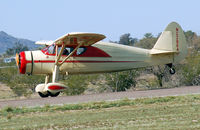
(53, 94)
(43, 95)
(172, 71)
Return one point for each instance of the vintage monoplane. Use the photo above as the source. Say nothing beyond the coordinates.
(81, 53)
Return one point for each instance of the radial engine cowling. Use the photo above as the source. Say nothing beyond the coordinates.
(24, 61)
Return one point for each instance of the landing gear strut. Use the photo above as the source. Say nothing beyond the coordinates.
(171, 70)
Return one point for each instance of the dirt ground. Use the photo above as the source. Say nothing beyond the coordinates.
(37, 101)
(6, 92)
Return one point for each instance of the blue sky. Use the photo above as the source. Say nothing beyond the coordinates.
(50, 19)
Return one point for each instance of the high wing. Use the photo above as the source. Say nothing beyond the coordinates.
(76, 38)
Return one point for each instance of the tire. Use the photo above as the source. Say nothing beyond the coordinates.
(43, 95)
(172, 71)
(53, 94)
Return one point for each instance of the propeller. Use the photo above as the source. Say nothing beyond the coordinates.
(17, 59)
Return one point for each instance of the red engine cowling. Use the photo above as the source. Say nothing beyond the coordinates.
(22, 62)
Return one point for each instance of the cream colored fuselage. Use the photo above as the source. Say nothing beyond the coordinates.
(120, 58)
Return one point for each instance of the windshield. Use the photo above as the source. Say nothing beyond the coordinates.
(51, 49)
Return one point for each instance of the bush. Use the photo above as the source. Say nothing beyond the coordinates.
(20, 84)
(191, 70)
(121, 81)
(77, 84)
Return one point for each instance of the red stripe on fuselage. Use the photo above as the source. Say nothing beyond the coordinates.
(77, 61)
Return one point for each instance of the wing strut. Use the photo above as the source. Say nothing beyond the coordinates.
(60, 53)
(56, 70)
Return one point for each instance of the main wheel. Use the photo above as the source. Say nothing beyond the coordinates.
(172, 71)
(43, 95)
(53, 94)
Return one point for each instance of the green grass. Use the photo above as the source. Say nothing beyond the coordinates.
(181, 112)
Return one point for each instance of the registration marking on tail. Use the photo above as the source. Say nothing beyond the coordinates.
(177, 41)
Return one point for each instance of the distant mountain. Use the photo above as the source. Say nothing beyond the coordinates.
(8, 41)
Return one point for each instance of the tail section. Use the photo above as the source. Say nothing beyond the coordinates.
(171, 41)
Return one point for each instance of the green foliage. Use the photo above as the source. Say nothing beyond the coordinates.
(18, 47)
(24, 85)
(191, 70)
(148, 35)
(196, 45)
(8, 109)
(193, 42)
(78, 83)
(148, 42)
(161, 72)
(121, 81)
(190, 36)
(20, 84)
(126, 39)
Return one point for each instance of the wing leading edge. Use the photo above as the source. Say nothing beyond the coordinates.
(86, 39)
(75, 38)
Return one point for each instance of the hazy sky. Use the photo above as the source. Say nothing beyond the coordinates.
(50, 19)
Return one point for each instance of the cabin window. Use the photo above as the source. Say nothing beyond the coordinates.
(51, 49)
(80, 50)
(67, 50)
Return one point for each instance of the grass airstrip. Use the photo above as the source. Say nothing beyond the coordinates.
(173, 112)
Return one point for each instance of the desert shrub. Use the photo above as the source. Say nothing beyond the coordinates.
(77, 84)
(121, 81)
(20, 84)
(191, 71)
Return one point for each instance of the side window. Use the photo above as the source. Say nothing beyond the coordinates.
(67, 50)
(80, 50)
(51, 49)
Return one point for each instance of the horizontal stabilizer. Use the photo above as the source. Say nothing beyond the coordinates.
(156, 52)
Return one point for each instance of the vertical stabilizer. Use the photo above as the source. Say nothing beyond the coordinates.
(172, 40)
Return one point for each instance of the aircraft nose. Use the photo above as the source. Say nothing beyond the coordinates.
(21, 62)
